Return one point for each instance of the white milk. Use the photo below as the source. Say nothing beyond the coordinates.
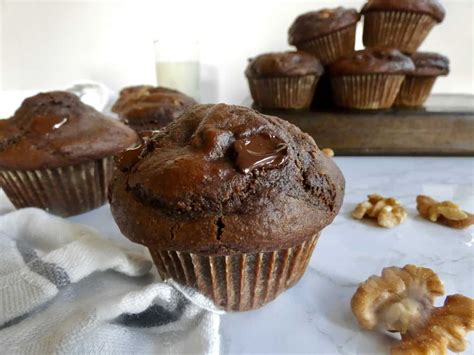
(182, 76)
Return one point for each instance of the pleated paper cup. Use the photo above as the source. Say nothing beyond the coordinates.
(414, 91)
(366, 92)
(331, 47)
(237, 282)
(403, 30)
(285, 93)
(64, 191)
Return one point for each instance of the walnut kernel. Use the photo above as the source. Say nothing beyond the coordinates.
(446, 212)
(402, 300)
(388, 211)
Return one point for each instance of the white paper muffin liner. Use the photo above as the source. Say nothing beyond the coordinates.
(237, 282)
(330, 47)
(64, 191)
(366, 92)
(414, 91)
(285, 93)
(403, 30)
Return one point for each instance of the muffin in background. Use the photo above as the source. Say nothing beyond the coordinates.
(370, 78)
(56, 153)
(147, 108)
(228, 201)
(417, 86)
(328, 34)
(285, 80)
(402, 24)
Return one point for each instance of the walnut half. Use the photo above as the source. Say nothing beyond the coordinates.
(444, 329)
(402, 300)
(388, 211)
(446, 212)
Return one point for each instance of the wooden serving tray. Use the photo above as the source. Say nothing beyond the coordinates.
(445, 126)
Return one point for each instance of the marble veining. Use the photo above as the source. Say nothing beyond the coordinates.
(315, 316)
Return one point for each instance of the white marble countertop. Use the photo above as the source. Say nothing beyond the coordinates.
(314, 316)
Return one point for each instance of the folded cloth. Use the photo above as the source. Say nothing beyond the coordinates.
(94, 94)
(66, 289)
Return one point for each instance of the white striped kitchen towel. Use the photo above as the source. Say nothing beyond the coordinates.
(64, 289)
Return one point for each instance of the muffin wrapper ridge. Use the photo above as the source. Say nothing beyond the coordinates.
(237, 282)
(330, 47)
(415, 90)
(64, 191)
(366, 92)
(289, 93)
(396, 29)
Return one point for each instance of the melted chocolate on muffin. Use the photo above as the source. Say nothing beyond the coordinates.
(260, 151)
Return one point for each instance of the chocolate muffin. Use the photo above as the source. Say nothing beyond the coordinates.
(402, 24)
(228, 201)
(417, 86)
(284, 80)
(56, 154)
(370, 78)
(328, 34)
(147, 108)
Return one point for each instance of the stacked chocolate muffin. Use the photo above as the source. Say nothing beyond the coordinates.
(388, 72)
(284, 80)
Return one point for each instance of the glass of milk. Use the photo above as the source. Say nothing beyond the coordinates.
(177, 65)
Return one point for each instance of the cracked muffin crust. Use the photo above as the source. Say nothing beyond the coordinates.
(224, 180)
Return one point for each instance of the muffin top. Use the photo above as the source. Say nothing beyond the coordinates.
(283, 64)
(429, 64)
(319, 23)
(225, 179)
(56, 129)
(373, 61)
(428, 7)
(146, 104)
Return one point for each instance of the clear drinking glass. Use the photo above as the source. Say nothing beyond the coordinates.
(178, 65)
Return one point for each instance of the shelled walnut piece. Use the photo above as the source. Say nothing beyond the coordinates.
(402, 300)
(388, 211)
(446, 212)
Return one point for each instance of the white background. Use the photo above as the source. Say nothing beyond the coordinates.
(49, 44)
